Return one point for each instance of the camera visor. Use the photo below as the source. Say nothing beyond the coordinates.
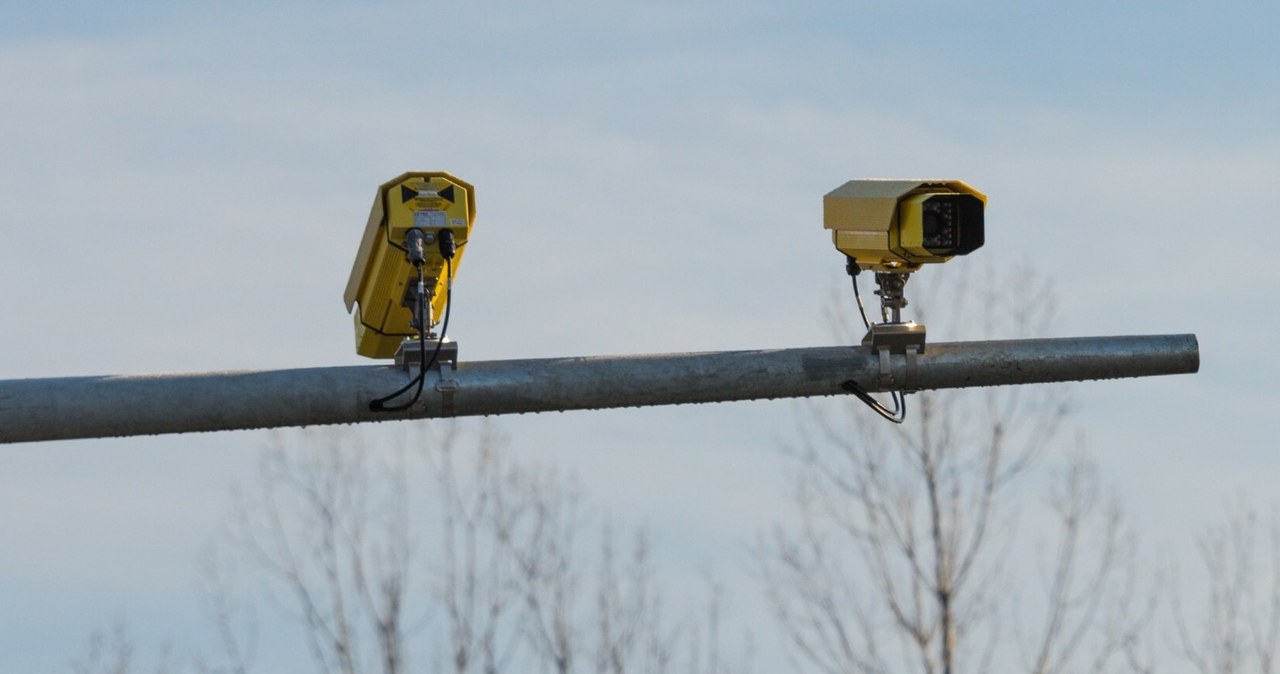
(952, 224)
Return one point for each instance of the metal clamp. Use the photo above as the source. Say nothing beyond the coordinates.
(447, 386)
(885, 381)
(909, 382)
(886, 339)
(409, 356)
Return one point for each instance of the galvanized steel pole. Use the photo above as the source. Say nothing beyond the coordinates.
(86, 407)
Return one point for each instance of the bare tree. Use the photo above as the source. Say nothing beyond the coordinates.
(112, 651)
(1088, 599)
(331, 530)
(508, 570)
(473, 579)
(1239, 627)
(900, 557)
(233, 615)
(107, 653)
(580, 608)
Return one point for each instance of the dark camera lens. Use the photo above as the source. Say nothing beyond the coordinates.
(939, 223)
(952, 224)
(930, 223)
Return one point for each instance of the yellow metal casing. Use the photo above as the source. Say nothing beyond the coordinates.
(382, 274)
(881, 223)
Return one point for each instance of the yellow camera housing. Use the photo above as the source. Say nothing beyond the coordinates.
(382, 278)
(899, 225)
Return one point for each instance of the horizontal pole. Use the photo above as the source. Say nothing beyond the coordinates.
(124, 405)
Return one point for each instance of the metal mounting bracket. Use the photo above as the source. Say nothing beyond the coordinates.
(447, 386)
(409, 357)
(886, 339)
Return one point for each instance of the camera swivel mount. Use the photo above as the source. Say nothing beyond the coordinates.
(892, 335)
(419, 299)
(892, 297)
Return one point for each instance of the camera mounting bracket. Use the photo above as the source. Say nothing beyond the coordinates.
(410, 356)
(888, 339)
(892, 299)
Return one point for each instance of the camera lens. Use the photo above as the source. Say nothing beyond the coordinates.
(938, 223)
(952, 224)
(930, 224)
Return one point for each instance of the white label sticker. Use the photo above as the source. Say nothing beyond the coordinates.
(428, 219)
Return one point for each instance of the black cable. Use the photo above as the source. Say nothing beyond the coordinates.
(851, 266)
(447, 250)
(417, 382)
(899, 412)
(379, 404)
(897, 415)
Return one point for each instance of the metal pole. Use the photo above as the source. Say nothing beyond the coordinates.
(87, 407)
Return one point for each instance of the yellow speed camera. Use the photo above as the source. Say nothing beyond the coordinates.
(381, 293)
(898, 225)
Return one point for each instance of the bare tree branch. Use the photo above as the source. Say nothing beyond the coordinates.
(514, 575)
(1239, 627)
(107, 652)
(919, 512)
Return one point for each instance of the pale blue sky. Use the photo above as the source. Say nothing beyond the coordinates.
(183, 186)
